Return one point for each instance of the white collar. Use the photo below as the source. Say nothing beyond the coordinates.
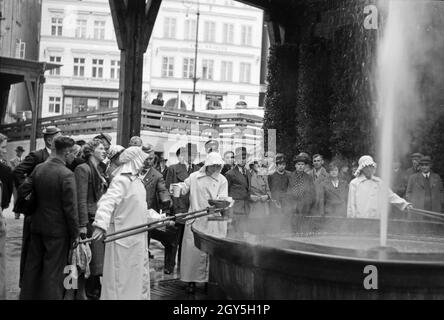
(49, 150)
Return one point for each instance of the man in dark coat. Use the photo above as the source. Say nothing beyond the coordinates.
(162, 167)
(334, 193)
(229, 162)
(425, 190)
(239, 189)
(158, 197)
(5, 196)
(23, 170)
(54, 226)
(159, 100)
(178, 173)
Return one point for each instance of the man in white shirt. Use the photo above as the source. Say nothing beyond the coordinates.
(367, 193)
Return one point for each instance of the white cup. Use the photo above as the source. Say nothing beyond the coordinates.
(176, 190)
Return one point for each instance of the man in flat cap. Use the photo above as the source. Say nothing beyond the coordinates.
(425, 190)
(23, 170)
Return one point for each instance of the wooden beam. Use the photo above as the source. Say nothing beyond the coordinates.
(119, 13)
(4, 95)
(131, 66)
(275, 33)
(31, 90)
(151, 11)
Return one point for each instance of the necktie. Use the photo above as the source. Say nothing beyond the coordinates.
(427, 194)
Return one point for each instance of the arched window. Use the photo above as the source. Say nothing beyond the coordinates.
(214, 105)
(241, 105)
(172, 104)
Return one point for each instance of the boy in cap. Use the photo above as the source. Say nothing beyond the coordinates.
(278, 182)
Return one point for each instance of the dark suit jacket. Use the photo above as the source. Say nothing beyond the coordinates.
(415, 193)
(156, 191)
(27, 166)
(87, 197)
(56, 212)
(239, 190)
(238, 184)
(178, 173)
(333, 201)
(6, 178)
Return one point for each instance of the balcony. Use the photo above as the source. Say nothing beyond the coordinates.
(154, 119)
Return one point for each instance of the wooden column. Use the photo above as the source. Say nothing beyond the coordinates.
(133, 23)
(32, 96)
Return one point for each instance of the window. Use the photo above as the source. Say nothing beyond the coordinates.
(188, 68)
(190, 29)
(207, 69)
(20, 49)
(226, 71)
(167, 67)
(228, 35)
(115, 69)
(81, 29)
(79, 67)
(54, 104)
(79, 104)
(56, 26)
(241, 105)
(99, 30)
(245, 70)
(209, 31)
(97, 68)
(246, 35)
(169, 27)
(214, 105)
(55, 59)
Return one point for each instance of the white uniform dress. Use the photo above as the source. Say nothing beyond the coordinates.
(201, 187)
(126, 266)
(365, 198)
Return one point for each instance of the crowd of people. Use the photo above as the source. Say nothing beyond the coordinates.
(73, 193)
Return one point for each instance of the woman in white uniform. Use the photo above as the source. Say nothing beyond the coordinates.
(203, 185)
(126, 266)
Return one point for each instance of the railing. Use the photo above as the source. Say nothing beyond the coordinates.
(153, 118)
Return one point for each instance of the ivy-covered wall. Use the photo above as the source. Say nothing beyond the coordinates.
(317, 98)
(321, 92)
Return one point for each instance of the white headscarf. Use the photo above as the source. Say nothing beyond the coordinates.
(212, 159)
(132, 160)
(364, 161)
